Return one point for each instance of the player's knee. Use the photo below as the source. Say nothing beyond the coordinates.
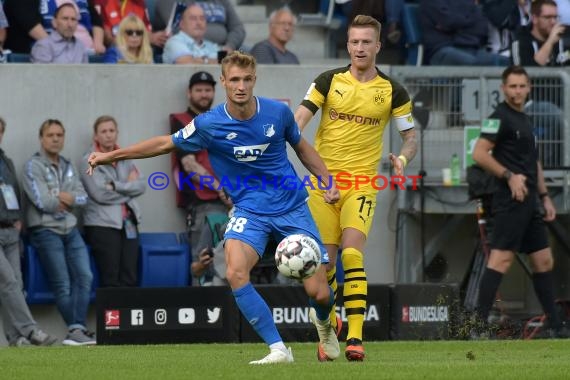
(236, 278)
(543, 264)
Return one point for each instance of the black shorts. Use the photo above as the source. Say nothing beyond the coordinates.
(517, 226)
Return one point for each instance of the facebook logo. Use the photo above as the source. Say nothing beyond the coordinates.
(136, 317)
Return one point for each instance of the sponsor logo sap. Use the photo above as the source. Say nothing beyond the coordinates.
(214, 314)
(288, 315)
(137, 317)
(412, 314)
(249, 153)
(186, 316)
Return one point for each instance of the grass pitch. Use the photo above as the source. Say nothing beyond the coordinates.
(537, 359)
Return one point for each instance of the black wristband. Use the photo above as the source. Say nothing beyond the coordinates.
(507, 174)
(543, 195)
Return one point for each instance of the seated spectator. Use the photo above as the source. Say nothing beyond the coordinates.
(53, 190)
(542, 45)
(61, 46)
(3, 26)
(29, 20)
(20, 328)
(132, 43)
(272, 50)
(224, 25)
(506, 18)
(112, 213)
(455, 33)
(189, 45)
(114, 11)
(89, 29)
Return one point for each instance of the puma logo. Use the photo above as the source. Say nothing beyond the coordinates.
(338, 92)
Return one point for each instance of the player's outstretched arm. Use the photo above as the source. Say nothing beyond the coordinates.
(315, 164)
(152, 147)
(303, 116)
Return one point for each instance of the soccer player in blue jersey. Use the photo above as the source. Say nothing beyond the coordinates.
(246, 141)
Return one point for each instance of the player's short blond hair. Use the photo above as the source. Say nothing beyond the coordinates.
(364, 21)
(239, 59)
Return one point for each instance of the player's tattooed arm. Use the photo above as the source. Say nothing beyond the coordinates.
(410, 144)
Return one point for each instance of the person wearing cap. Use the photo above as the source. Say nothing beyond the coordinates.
(198, 202)
(189, 44)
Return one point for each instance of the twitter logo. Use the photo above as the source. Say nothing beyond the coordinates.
(214, 314)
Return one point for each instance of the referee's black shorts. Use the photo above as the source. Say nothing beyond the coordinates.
(517, 226)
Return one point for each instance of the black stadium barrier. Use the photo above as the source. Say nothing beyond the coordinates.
(210, 315)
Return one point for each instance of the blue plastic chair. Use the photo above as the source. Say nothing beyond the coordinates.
(164, 262)
(413, 34)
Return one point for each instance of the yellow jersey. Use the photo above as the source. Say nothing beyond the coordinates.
(354, 116)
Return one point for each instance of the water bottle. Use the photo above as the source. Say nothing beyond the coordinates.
(455, 166)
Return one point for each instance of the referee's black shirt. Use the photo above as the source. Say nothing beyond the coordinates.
(515, 143)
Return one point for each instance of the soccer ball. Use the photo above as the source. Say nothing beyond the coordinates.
(298, 257)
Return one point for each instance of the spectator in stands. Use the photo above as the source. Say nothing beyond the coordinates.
(61, 46)
(112, 213)
(224, 25)
(542, 44)
(189, 45)
(200, 202)
(132, 44)
(19, 325)
(506, 18)
(53, 190)
(455, 33)
(90, 26)
(114, 11)
(31, 21)
(281, 28)
(3, 26)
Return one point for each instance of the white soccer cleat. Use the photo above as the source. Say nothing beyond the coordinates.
(276, 356)
(329, 348)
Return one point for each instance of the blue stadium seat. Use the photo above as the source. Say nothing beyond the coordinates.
(164, 261)
(18, 58)
(96, 58)
(36, 284)
(151, 9)
(413, 35)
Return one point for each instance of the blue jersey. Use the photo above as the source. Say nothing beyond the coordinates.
(250, 157)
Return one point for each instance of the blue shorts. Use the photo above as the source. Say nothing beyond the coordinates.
(255, 229)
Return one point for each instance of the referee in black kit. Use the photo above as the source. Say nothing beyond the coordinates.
(519, 186)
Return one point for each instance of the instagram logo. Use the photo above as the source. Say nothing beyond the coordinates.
(160, 316)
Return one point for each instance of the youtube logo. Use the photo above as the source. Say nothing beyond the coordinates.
(186, 316)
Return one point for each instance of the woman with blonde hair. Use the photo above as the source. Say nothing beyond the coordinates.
(132, 44)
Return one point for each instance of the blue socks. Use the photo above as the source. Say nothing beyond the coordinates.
(322, 310)
(257, 313)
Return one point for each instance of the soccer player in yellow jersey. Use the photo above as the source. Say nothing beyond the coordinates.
(357, 103)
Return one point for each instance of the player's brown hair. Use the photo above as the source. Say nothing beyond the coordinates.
(364, 21)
